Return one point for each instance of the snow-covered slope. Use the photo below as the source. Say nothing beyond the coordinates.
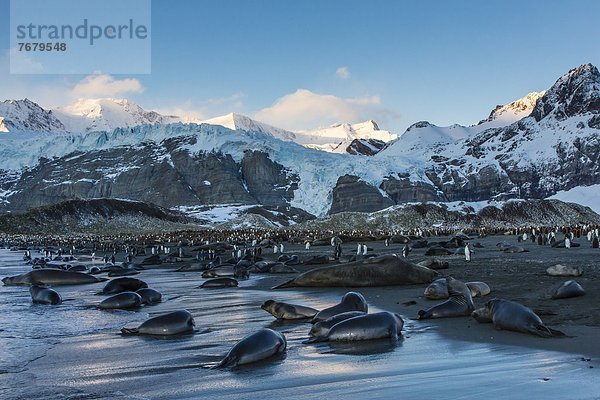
(87, 115)
(510, 113)
(23, 116)
(236, 121)
(585, 195)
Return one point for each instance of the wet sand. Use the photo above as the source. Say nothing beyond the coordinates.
(457, 357)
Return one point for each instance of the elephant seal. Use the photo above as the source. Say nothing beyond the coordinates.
(563, 270)
(568, 289)
(288, 311)
(514, 249)
(511, 316)
(379, 325)
(173, 323)
(438, 289)
(386, 270)
(123, 300)
(219, 283)
(43, 295)
(438, 251)
(124, 284)
(460, 302)
(51, 277)
(322, 328)
(351, 301)
(255, 347)
(149, 296)
(434, 263)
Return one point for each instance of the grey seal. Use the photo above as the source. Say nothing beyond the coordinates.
(460, 302)
(379, 325)
(288, 311)
(255, 347)
(322, 328)
(220, 283)
(173, 323)
(568, 289)
(438, 251)
(351, 301)
(149, 296)
(51, 277)
(123, 300)
(43, 295)
(387, 270)
(563, 270)
(124, 284)
(512, 316)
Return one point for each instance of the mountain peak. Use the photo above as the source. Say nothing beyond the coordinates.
(514, 111)
(575, 93)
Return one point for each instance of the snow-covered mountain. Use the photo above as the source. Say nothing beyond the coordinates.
(22, 116)
(336, 138)
(87, 115)
(554, 149)
(236, 121)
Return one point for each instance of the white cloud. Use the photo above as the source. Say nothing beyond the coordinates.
(103, 85)
(304, 109)
(342, 73)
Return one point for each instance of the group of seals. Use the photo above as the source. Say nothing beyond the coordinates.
(459, 303)
(128, 293)
(51, 277)
(438, 289)
(379, 325)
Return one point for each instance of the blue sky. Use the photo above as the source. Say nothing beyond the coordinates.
(397, 62)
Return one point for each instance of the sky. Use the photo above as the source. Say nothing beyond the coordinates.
(305, 64)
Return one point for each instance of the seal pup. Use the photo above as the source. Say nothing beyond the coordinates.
(173, 323)
(288, 311)
(512, 316)
(257, 346)
(568, 289)
(563, 270)
(44, 295)
(379, 325)
(51, 277)
(459, 303)
(219, 283)
(322, 328)
(351, 301)
(123, 300)
(386, 270)
(124, 284)
(149, 296)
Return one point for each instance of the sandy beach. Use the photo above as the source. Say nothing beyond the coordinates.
(74, 351)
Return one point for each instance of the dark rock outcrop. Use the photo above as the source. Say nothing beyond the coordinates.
(352, 194)
(365, 147)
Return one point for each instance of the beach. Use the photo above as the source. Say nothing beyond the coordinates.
(74, 351)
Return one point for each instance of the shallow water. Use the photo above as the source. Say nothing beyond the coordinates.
(74, 351)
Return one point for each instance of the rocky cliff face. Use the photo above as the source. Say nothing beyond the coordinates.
(352, 194)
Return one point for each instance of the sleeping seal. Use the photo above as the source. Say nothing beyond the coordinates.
(511, 316)
(380, 325)
(51, 277)
(43, 295)
(173, 323)
(288, 311)
(255, 347)
(351, 301)
(563, 270)
(123, 301)
(217, 283)
(124, 284)
(387, 270)
(459, 304)
(322, 328)
(149, 296)
(568, 289)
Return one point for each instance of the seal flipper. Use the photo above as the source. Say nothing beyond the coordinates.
(544, 331)
(129, 331)
(284, 285)
(316, 339)
(424, 314)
